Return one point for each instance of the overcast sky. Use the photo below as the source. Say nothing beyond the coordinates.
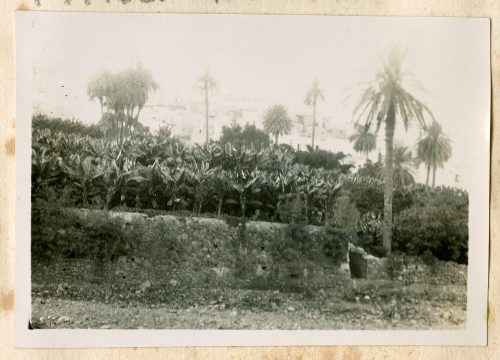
(275, 58)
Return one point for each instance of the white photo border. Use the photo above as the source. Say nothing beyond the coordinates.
(475, 333)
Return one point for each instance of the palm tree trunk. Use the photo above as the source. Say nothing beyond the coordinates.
(122, 120)
(434, 175)
(276, 138)
(206, 112)
(314, 124)
(219, 207)
(243, 203)
(200, 205)
(136, 118)
(428, 173)
(102, 107)
(388, 180)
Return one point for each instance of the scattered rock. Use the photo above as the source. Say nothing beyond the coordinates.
(344, 270)
(61, 289)
(446, 315)
(63, 319)
(366, 266)
(195, 244)
(144, 286)
(357, 262)
(259, 270)
(173, 282)
(220, 271)
(290, 309)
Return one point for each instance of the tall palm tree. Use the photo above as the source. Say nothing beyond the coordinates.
(277, 122)
(313, 95)
(139, 84)
(364, 140)
(122, 97)
(403, 167)
(207, 84)
(433, 149)
(99, 86)
(384, 101)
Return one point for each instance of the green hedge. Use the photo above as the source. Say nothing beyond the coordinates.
(437, 223)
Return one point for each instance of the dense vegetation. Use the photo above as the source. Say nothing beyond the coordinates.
(42, 121)
(158, 172)
(249, 136)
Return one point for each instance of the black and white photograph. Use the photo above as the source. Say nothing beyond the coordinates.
(244, 172)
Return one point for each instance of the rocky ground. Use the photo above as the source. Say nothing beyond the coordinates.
(64, 296)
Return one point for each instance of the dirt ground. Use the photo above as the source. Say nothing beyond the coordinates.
(349, 304)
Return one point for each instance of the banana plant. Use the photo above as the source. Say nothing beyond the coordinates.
(121, 181)
(219, 183)
(151, 187)
(84, 175)
(332, 184)
(245, 183)
(309, 188)
(45, 171)
(174, 182)
(200, 175)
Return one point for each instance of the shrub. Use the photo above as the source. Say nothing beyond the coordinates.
(299, 244)
(370, 169)
(41, 121)
(368, 196)
(250, 136)
(436, 223)
(335, 244)
(345, 215)
(369, 234)
(296, 239)
(292, 211)
(323, 159)
(395, 265)
(164, 133)
(57, 232)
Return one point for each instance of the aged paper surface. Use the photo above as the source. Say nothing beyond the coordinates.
(8, 122)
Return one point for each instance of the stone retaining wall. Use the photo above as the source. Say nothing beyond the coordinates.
(227, 248)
